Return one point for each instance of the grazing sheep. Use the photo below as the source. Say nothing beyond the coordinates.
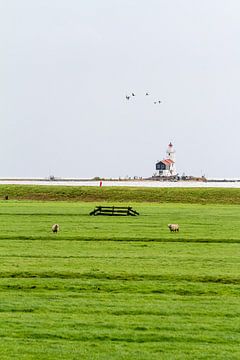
(55, 228)
(173, 227)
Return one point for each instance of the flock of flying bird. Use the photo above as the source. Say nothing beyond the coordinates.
(146, 94)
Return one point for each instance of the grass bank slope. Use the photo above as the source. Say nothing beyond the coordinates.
(122, 194)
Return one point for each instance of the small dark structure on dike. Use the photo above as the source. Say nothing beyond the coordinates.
(114, 211)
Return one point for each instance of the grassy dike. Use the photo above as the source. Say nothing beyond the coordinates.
(122, 194)
(119, 287)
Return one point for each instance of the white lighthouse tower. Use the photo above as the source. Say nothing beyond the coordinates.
(167, 167)
(170, 152)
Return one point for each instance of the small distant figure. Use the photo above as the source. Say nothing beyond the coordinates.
(100, 184)
(133, 94)
(155, 102)
(173, 227)
(55, 228)
(159, 101)
(127, 97)
(146, 94)
(6, 197)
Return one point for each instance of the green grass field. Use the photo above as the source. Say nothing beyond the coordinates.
(119, 287)
(122, 194)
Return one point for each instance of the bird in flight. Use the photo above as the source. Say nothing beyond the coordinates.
(128, 97)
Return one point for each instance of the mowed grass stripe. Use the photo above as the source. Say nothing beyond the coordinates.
(209, 223)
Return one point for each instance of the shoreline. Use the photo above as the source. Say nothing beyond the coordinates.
(70, 182)
(157, 180)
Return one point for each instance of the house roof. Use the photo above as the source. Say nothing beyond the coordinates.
(166, 161)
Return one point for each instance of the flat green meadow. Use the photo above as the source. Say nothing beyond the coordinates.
(119, 287)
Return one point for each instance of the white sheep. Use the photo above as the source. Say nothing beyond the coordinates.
(173, 227)
(55, 228)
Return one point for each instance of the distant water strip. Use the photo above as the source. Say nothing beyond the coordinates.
(143, 183)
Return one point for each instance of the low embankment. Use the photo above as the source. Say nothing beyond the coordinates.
(122, 194)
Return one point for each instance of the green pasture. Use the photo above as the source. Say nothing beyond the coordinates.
(199, 195)
(119, 287)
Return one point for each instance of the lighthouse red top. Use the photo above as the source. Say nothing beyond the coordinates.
(170, 144)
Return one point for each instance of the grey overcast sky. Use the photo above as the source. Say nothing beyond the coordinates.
(67, 65)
